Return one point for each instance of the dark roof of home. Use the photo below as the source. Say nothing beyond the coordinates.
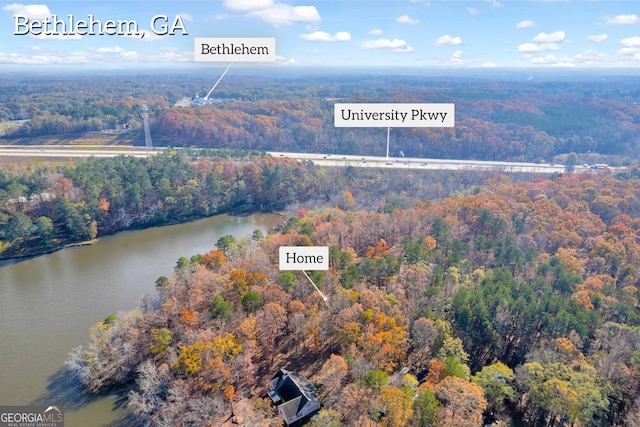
(295, 391)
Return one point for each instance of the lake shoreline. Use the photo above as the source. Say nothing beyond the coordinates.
(240, 212)
(47, 303)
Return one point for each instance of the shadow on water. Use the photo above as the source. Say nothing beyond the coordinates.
(66, 391)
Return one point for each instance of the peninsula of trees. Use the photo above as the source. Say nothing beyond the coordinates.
(45, 209)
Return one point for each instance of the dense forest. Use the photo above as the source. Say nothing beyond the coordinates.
(46, 208)
(453, 298)
(528, 120)
(500, 301)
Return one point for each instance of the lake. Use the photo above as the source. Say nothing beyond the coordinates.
(48, 303)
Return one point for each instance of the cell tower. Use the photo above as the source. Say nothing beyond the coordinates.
(147, 134)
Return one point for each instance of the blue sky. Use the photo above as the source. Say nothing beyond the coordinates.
(341, 34)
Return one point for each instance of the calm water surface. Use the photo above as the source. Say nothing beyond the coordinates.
(48, 303)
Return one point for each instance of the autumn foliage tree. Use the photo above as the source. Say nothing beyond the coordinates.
(461, 403)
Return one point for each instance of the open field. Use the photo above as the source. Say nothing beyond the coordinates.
(86, 138)
(17, 165)
(13, 123)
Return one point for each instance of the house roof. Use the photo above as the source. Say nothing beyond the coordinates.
(301, 384)
(294, 390)
(289, 410)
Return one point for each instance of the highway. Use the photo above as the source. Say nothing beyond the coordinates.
(67, 151)
(425, 164)
(330, 160)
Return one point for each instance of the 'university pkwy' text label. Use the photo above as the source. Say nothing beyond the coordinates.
(304, 257)
(394, 115)
(235, 49)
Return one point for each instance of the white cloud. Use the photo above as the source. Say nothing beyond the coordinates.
(56, 36)
(405, 19)
(38, 12)
(115, 49)
(495, 3)
(248, 5)
(549, 46)
(622, 20)
(396, 45)
(631, 42)
(321, 36)
(629, 51)
(448, 40)
(186, 17)
(588, 58)
(457, 57)
(529, 47)
(376, 32)
(544, 42)
(555, 37)
(407, 49)
(547, 59)
(598, 38)
(145, 36)
(281, 60)
(283, 14)
(535, 47)
(384, 44)
(527, 23)
(14, 58)
(33, 11)
(473, 11)
(276, 14)
(102, 58)
(130, 55)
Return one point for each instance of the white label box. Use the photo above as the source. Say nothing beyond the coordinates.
(304, 257)
(234, 49)
(396, 115)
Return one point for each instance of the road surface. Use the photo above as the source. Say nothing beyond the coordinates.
(72, 151)
(427, 164)
(333, 160)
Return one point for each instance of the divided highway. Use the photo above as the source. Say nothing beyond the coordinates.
(415, 163)
(335, 160)
(71, 151)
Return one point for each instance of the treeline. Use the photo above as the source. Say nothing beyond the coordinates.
(510, 302)
(524, 121)
(116, 114)
(46, 209)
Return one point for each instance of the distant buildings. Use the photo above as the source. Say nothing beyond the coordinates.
(294, 396)
(197, 100)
